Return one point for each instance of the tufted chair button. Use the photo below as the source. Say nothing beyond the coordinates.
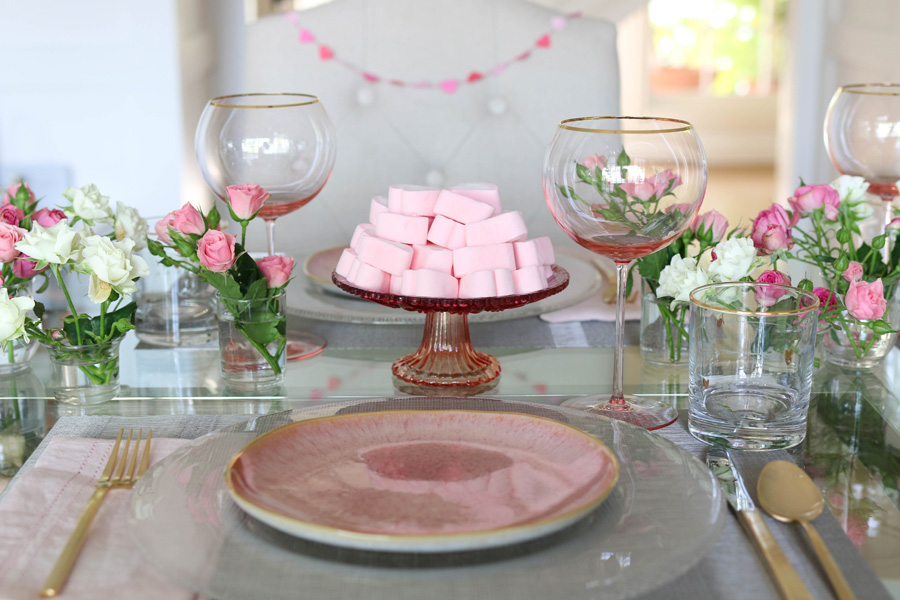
(498, 106)
(365, 96)
(434, 178)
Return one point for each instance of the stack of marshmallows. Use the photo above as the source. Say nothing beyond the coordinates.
(450, 243)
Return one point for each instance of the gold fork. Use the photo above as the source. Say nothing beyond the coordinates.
(60, 573)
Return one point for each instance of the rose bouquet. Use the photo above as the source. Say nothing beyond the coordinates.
(65, 240)
(822, 229)
(250, 292)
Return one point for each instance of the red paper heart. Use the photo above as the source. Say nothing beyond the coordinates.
(474, 76)
(543, 41)
(325, 53)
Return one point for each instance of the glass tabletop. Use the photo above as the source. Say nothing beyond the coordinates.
(852, 449)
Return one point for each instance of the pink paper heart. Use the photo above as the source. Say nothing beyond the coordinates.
(543, 41)
(292, 17)
(524, 55)
(306, 37)
(499, 68)
(449, 85)
(325, 53)
(423, 85)
(558, 23)
(369, 77)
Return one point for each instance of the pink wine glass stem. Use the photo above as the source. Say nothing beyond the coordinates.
(618, 396)
(270, 236)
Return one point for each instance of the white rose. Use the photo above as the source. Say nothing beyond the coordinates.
(57, 244)
(130, 224)
(680, 277)
(113, 263)
(12, 315)
(849, 188)
(89, 204)
(735, 259)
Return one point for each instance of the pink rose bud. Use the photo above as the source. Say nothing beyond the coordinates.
(642, 191)
(809, 198)
(24, 268)
(712, 221)
(593, 161)
(827, 299)
(162, 228)
(188, 220)
(771, 230)
(894, 224)
(12, 214)
(767, 295)
(246, 200)
(865, 300)
(10, 235)
(277, 269)
(48, 217)
(215, 250)
(665, 180)
(854, 271)
(12, 190)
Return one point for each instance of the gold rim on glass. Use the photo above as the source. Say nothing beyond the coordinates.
(859, 88)
(684, 125)
(814, 300)
(222, 101)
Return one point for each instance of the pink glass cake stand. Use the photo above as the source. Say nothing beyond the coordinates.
(446, 358)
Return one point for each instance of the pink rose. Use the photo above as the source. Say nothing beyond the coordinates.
(827, 300)
(865, 300)
(712, 221)
(593, 161)
(12, 214)
(188, 220)
(854, 271)
(48, 217)
(215, 250)
(665, 180)
(894, 225)
(767, 295)
(642, 191)
(246, 200)
(10, 235)
(277, 269)
(24, 268)
(12, 190)
(809, 198)
(771, 230)
(162, 228)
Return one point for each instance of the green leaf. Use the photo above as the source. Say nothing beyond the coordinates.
(652, 265)
(225, 285)
(623, 159)
(245, 270)
(38, 309)
(256, 290)
(183, 244)
(805, 285)
(881, 327)
(263, 332)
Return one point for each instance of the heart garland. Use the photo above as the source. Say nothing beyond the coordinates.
(448, 85)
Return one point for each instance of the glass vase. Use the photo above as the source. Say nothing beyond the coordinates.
(252, 341)
(86, 374)
(15, 356)
(850, 343)
(664, 331)
(21, 418)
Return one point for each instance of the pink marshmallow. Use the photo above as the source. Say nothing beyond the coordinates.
(483, 192)
(408, 283)
(344, 262)
(388, 256)
(505, 227)
(461, 209)
(396, 282)
(479, 258)
(447, 233)
(395, 198)
(418, 201)
(548, 271)
(432, 257)
(545, 246)
(361, 230)
(370, 278)
(435, 284)
(529, 279)
(503, 280)
(527, 254)
(379, 205)
(402, 228)
(478, 284)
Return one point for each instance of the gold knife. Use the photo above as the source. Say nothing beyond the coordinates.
(786, 578)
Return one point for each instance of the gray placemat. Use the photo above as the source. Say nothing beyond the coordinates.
(731, 570)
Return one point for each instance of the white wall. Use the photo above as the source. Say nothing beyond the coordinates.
(91, 89)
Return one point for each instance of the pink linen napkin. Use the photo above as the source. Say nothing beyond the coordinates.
(39, 512)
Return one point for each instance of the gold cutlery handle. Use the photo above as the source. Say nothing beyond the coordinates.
(840, 585)
(60, 573)
(786, 578)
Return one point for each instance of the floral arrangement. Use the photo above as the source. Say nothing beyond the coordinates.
(65, 239)
(822, 230)
(191, 240)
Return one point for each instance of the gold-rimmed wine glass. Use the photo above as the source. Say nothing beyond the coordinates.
(625, 187)
(284, 142)
(862, 137)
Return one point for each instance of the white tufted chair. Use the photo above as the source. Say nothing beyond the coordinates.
(495, 130)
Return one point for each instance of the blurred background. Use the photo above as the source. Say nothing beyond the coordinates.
(109, 92)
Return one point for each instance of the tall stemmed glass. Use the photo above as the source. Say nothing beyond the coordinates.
(284, 142)
(862, 137)
(625, 187)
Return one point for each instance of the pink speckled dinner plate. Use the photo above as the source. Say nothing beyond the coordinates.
(422, 481)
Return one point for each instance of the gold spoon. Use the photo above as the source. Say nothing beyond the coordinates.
(788, 494)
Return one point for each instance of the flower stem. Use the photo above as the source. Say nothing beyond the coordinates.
(55, 268)
(9, 351)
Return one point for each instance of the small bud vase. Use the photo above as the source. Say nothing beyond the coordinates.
(85, 374)
(850, 343)
(252, 342)
(15, 356)
(664, 337)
